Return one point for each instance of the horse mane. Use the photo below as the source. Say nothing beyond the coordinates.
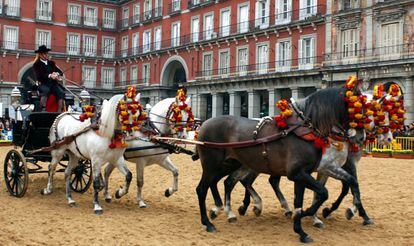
(326, 108)
(159, 111)
(109, 118)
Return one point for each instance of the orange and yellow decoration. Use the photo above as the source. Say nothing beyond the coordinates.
(394, 105)
(357, 105)
(177, 116)
(88, 112)
(285, 113)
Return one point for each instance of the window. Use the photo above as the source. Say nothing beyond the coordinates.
(91, 16)
(158, 8)
(89, 76)
(44, 10)
(262, 58)
(390, 38)
(146, 73)
(107, 77)
(1, 7)
(283, 11)
(224, 62)
(307, 8)
(43, 37)
(306, 52)
(225, 23)
(242, 61)
(243, 18)
(146, 41)
(108, 47)
(74, 14)
(109, 18)
(11, 37)
(134, 75)
(262, 14)
(157, 38)
(125, 17)
(135, 44)
(207, 64)
(349, 41)
(135, 18)
(124, 46)
(350, 4)
(175, 34)
(13, 7)
(147, 9)
(73, 44)
(208, 26)
(195, 29)
(283, 56)
(176, 5)
(123, 76)
(89, 45)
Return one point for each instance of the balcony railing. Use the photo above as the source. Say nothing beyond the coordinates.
(75, 20)
(151, 15)
(135, 19)
(11, 11)
(192, 4)
(90, 21)
(43, 15)
(109, 24)
(174, 7)
(125, 22)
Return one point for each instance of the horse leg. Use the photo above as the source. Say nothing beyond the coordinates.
(327, 211)
(57, 155)
(257, 207)
(246, 181)
(140, 183)
(274, 182)
(229, 184)
(97, 185)
(201, 190)
(304, 180)
(73, 162)
(167, 164)
(316, 221)
(128, 178)
(218, 203)
(108, 170)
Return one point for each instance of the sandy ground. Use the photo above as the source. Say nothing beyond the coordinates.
(386, 186)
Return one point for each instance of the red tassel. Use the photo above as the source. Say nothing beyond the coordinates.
(319, 143)
(281, 124)
(112, 145)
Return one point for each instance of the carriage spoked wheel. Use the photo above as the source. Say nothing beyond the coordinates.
(16, 174)
(81, 177)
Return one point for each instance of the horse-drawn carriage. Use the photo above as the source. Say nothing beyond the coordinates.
(30, 134)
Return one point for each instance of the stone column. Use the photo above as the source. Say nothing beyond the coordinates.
(409, 100)
(235, 103)
(217, 104)
(370, 29)
(254, 104)
(201, 109)
(274, 97)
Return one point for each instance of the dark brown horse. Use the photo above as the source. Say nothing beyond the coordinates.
(289, 156)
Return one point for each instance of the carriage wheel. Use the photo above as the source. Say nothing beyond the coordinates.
(16, 174)
(81, 177)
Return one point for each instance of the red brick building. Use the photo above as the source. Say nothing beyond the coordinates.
(235, 57)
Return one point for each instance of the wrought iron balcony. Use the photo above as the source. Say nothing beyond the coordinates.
(44, 15)
(174, 7)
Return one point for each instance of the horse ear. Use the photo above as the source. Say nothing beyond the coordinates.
(187, 101)
(138, 97)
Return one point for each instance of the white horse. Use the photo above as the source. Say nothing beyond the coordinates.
(150, 153)
(89, 145)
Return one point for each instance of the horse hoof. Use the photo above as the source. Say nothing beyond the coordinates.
(117, 196)
(167, 193)
(288, 214)
(232, 220)
(73, 204)
(98, 212)
(242, 210)
(368, 222)
(211, 229)
(326, 212)
(257, 211)
(349, 213)
(306, 239)
(213, 214)
(43, 192)
(108, 200)
(319, 225)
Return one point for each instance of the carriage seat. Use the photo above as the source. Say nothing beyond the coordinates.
(36, 129)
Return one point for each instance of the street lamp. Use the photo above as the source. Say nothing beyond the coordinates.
(16, 98)
(86, 98)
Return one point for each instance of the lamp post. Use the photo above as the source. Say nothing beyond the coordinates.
(86, 98)
(16, 98)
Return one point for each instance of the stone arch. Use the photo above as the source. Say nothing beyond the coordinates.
(175, 70)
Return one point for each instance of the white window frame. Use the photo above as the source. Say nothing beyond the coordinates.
(283, 15)
(125, 17)
(123, 73)
(307, 62)
(306, 10)
(283, 62)
(135, 44)
(175, 37)
(134, 75)
(208, 72)
(242, 69)
(147, 9)
(137, 13)
(40, 13)
(48, 42)
(157, 37)
(349, 43)
(90, 21)
(390, 49)
(108, 22)
(10, 44)
(209, 31)
(225, 27)
(262, 15)
(243, 25)
(107, 82)
(146, 43)
(146, 68)
(224, 69)
(124, 45)
(74, 18)
(94, 46)
(195, 34)
(87, 81)
(13, 10)
(262, 63)
(76, 48)
(176, 5)
(108, 51)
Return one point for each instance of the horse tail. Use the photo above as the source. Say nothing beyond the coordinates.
(108, 119)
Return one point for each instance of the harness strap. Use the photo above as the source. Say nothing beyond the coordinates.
(138, 156)
(77, 148)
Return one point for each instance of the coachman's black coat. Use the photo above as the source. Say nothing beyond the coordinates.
(48, 85)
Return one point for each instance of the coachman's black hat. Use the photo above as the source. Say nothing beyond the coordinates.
(42, 49)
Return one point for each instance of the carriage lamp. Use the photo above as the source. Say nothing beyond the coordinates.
(86, 98)
(16, 97)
